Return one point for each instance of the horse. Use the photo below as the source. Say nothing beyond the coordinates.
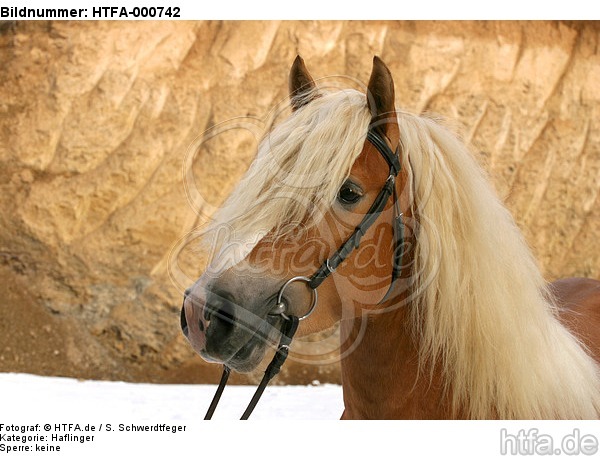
(442, 309)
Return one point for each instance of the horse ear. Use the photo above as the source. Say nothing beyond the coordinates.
(302, 85)
(381, 97)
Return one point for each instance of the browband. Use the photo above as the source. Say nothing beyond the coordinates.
(392, 158)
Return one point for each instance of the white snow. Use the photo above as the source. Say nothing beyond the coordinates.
(63, 399)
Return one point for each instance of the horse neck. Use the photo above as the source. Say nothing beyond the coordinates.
(380, 371)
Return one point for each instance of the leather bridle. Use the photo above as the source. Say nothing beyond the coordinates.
(290, 322)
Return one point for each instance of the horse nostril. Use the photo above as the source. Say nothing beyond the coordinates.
(225, 312)
(223, 309)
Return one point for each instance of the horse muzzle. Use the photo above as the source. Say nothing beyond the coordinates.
(222, 331)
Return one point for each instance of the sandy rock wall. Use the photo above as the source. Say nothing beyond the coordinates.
(97, 120)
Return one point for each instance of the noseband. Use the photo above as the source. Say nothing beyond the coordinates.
(290, 323)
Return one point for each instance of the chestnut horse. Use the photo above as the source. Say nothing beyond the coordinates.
(443, 311)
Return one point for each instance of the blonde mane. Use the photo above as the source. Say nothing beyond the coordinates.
(487, 316)
(483, 314)
(299, 167)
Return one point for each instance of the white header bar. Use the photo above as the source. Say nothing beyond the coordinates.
(305, 10)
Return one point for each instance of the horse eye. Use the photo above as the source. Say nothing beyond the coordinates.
(349, 194)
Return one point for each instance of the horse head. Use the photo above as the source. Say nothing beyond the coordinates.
(310, 194)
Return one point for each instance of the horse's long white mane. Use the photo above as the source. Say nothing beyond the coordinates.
(299, 168)
(483, 314)
(487, 316)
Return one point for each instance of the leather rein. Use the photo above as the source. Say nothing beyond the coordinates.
(290, 322)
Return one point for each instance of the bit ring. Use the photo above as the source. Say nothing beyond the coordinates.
(313, 304)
